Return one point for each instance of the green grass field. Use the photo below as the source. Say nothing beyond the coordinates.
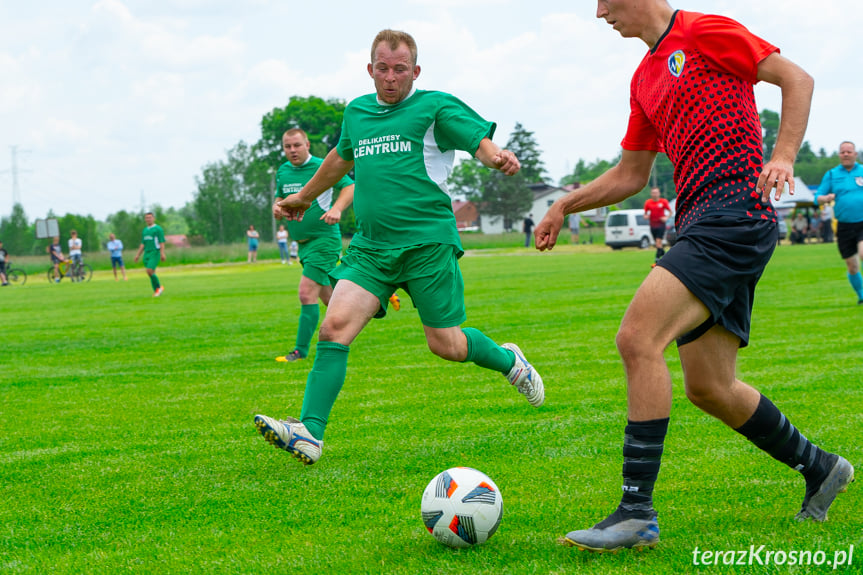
(127, 442)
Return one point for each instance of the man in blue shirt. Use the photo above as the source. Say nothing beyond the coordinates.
(844, 185)
(115, 246)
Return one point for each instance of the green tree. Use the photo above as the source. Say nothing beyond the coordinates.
(16, 234)
(770, 129)
(523, 144)
(321, 119)
(497, 195)
(87, 228)
(231, 195)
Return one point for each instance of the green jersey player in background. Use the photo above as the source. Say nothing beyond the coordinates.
(153, 248)
(318, 234)
(401, 143)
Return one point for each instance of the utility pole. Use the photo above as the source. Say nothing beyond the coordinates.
(14, 170)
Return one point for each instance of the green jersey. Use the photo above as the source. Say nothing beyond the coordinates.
(152, 237)
(403, 154)
(290, 179)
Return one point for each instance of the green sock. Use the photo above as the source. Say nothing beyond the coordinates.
(154, 281)
(309, 315)
(484, 352)
(323, 385)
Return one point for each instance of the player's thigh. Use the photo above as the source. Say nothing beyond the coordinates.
(661, 310)
(350, 309)
(709, 362)
(437, 292)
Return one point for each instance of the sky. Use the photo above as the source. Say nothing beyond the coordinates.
(109, 105)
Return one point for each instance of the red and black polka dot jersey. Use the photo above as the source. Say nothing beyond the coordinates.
(692, 98)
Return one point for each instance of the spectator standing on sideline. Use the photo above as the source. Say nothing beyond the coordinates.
(318, 235)
(844, 186)
(657, 209)
(115, 247)
(153, 248)
(75, 253)
(401, 142)
(527, 228)
(692, 97)
(574, 225)
(282, 240)
(827, 223)
(252, 235)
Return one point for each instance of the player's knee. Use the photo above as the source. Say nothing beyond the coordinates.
(705, 397)
(631, 343)
(448, 350)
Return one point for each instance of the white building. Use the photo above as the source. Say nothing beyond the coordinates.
(544, 195)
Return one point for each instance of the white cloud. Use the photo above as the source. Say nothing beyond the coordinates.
(118, 97)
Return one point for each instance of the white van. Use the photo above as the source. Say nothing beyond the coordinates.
(625, 228)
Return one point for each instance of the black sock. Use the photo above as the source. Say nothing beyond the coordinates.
(771, 431)
(642, 453)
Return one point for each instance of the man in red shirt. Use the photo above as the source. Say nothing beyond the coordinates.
(692, 98)
(657, 209)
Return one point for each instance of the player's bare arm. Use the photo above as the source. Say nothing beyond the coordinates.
(329, 173)
(625, 179)
(796, 86)
(334, 214)
(493, 157)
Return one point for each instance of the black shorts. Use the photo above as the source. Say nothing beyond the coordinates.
(657, 231)
(848, 236)
(719, 260)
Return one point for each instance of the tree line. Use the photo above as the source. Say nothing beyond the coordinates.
(237, 191)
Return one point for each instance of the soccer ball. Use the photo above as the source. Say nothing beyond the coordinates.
(462, 507)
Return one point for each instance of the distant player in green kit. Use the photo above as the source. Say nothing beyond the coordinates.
(401, 143)
(153, 248)
(318, 235)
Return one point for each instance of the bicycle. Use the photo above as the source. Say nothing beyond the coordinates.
(16, 276)
(76, 272)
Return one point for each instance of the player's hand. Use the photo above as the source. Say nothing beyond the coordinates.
(277, 211)
(333, 216)
(506, 162)
(546, 233)
(293, 207)
(774, 176)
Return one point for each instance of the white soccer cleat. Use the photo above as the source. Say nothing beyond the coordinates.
(525, 377)
(290, 435)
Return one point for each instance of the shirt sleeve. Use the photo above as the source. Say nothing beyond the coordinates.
(729, 47)
(824, 188)
(640, 133)
(458, 127)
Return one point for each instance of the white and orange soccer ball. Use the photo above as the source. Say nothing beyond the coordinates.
(462, 507)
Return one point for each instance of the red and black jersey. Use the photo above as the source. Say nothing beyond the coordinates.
(692, 98)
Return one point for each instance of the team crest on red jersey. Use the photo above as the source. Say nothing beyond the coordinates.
(676, 62)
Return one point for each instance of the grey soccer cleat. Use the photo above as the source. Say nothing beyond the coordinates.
(615, 533)
(815, 505)
(525, 377)
(290, 435)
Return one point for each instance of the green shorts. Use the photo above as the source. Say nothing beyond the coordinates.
(429, 273)
(152, 259)
(319, 256)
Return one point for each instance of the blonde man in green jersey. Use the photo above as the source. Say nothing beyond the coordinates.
(153, 248)
(318, 235)
(401, 144)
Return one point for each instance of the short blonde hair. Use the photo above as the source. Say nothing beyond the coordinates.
(295, 131)
(395, 38)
